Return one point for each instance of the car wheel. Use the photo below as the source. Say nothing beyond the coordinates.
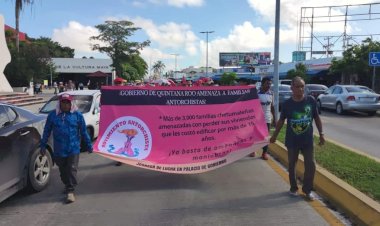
(371, 113)
(339, 108)
(39, 170)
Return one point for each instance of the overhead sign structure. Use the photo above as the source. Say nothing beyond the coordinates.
(244, 59)
(374, 59)
(180, 130)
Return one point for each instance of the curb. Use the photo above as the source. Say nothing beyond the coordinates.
(358, 206)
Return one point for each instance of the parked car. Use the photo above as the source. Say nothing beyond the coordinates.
(350, 97)
(285, 81)
(21, 164)
(284, 93)
(88, 103)
(315, 89)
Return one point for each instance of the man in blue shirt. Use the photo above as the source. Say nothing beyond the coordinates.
(300, 111)
(68, 127)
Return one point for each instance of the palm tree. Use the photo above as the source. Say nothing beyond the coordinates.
(158, 67)
(18, 8)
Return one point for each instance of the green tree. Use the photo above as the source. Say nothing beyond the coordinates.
(33, 60)
(19, 4)
(228, 78)
(355, 62)
(135, 68)
(300, 70)
(158, 67)
(115, 38)
(53, 49)
(29, 63)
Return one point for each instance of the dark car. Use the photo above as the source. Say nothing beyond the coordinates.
(315, 89)
(21, 164)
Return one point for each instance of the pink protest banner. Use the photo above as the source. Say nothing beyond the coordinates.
(181, 130)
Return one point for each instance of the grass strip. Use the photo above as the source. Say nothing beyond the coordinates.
(357, 170)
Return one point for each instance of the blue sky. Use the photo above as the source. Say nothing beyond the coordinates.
(173, 26)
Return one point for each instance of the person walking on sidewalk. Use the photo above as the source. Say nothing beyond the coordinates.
(266, 100)
(300, 110)
(68, 127)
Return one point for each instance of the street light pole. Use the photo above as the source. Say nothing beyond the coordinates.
(175, 63)
(206, 32)
(276, 59)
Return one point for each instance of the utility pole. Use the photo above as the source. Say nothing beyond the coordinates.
(206, 32)
(276, 59)
(175, 64)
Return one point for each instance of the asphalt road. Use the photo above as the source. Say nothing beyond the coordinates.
(353, 129)
(247, 192)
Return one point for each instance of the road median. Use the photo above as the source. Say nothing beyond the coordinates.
(358, 206)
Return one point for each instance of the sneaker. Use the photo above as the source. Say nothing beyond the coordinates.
(310, 196)
(265, 156)
(293, 193)
(70, 197)
(253, 154)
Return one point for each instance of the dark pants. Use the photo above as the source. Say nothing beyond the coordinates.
(309, 164)
(68, 167)
(265, 148)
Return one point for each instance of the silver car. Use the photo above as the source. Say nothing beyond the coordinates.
(21, 164)
(88, 103)
(284, 93)
(350, 98)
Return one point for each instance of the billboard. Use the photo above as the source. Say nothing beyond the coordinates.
(298, 56)
(244, 59)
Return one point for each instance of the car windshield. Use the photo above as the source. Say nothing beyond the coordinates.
(284, 88)
(316, 87)
(356, 89)
(368, 90)
(83, 102)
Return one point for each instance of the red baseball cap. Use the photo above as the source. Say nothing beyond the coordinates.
(65, 96)
(119, 80)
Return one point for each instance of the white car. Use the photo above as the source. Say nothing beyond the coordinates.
(88, 102)
(350, 97)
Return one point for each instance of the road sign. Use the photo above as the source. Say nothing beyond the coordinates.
(374, 59)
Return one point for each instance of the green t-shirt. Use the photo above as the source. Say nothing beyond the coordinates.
(299, 115)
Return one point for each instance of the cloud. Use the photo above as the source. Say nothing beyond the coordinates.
(290, 15)
(152, 55)
(244, 38)
(76, 36)
(182, 3)
(138, 4)
(174, 3)
(169, 35)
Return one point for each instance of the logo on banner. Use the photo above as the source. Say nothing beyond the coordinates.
(127, 136)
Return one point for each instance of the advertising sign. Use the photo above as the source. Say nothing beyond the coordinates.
(181, 130)
(244, 59)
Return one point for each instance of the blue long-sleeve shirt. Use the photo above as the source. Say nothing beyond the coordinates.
(67, 128)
